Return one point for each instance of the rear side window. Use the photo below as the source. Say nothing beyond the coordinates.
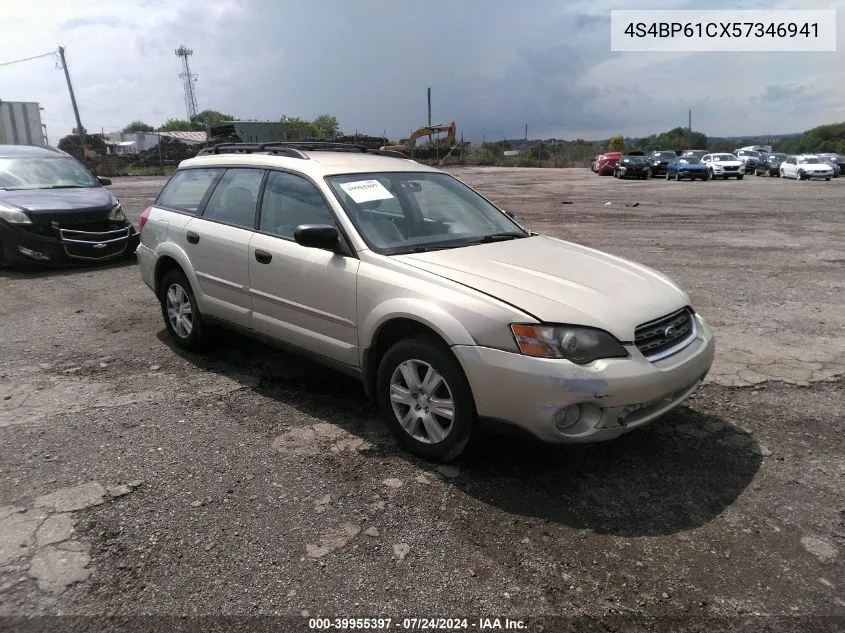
(187, 189)
(235, 197)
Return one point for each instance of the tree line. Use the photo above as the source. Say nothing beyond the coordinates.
(324, 126)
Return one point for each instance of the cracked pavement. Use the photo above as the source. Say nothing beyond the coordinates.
(135, 478)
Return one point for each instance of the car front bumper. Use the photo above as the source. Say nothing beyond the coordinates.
(730, 174)
(66, 246)
(615, 395)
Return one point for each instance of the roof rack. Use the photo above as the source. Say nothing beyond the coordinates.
(295, 149)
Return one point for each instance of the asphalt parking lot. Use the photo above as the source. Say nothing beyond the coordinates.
(138, 479)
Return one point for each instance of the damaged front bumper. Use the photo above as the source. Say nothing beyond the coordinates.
(49, 246)
(560, 402)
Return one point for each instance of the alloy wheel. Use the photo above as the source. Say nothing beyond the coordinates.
(180, 311)
(422, 401)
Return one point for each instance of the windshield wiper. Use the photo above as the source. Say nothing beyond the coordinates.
(67, 187)
(496, 237)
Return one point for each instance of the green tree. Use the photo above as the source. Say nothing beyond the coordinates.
(327, 126)
(616, 143)
(138, 126)
(202, 120)
(176, 125)
(297, 129)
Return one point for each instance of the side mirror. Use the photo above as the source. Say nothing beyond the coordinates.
(322, 236)
(104, 181)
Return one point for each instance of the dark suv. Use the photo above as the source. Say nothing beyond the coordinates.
(53, 211)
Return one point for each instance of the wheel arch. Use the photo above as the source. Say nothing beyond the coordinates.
(400, 319)
(169, 257)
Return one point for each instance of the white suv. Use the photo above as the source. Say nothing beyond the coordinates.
(453, 315)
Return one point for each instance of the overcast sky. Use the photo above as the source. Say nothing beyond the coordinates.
(493, 66)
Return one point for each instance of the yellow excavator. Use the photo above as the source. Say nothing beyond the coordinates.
(408, 145)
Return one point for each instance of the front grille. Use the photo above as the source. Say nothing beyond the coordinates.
(662, 335)
(94, 245)
(734, 168)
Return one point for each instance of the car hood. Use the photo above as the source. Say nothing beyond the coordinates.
(59, 201)
(726, 163)
(815, 166)
(559, 282)
(692, 167)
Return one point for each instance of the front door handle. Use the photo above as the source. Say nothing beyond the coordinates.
(192, 237)
(262, 257)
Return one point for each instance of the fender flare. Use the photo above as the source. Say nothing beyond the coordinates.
(174, 252)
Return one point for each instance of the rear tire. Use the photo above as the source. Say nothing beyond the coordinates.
(181, 314)
(740, 177)
(401, 386)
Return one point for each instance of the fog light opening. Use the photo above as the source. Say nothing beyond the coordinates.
(567, 417)
(33, 254)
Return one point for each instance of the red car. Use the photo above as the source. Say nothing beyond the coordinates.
(607, 163)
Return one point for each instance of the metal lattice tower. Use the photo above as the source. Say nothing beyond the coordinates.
(188, 80)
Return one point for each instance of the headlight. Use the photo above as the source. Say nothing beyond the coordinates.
(13, 216)
(581, 345)
(116, 214)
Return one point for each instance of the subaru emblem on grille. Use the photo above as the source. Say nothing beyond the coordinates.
(669, 332)
(102, 245)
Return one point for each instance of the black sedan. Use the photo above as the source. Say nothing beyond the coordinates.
(53, 211)
(632, 167)
(770, 165)
(659, 159)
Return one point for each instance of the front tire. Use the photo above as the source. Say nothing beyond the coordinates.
(182, 316)
(425, 399)
(740, 177)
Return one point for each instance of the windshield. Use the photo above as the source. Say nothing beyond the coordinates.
(635, 160)
(690, 160)
(749, 153)
(778, 157)
(665, 155)
(723, 157)
(809, 160)
(40, 172)
(417, 211)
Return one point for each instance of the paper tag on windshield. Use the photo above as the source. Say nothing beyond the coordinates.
(366, 190)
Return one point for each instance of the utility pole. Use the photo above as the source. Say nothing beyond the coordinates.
(429, 108)
(689, 124)
(79, 129)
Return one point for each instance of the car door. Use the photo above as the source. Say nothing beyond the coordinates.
(302, 296)
(789, 167)
(217, 243)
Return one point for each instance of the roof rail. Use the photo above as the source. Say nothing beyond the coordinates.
(295, 149)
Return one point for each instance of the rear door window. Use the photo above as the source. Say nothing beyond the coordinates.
(235, 198)
(187, 189)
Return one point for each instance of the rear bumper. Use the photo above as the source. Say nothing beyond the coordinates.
(616, 395)
(67, 247)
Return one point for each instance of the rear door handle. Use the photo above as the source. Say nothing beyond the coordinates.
(192, 237)
(262, 257)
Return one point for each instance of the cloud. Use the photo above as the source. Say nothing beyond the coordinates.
(492, 67)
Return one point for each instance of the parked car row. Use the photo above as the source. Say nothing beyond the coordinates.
(703, 165)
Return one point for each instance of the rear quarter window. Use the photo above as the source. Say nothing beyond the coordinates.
(187, 189)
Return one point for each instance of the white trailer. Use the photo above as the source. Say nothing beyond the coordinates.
(20, 123)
